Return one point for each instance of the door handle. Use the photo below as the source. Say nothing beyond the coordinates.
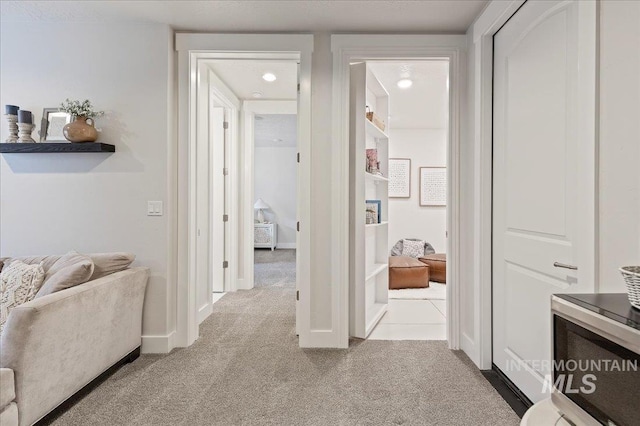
(564, 265)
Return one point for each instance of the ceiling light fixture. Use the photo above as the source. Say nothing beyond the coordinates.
(405, 83)
(270, 77)
(257, 94)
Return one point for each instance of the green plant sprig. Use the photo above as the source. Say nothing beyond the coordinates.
(80, 109)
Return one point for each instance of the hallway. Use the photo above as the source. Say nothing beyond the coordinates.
(247, 368)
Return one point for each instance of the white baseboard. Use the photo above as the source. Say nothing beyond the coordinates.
(204, 312)
(286, 246)
(158, 344)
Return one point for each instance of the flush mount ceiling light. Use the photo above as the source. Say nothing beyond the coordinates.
(405, 83)
(257, 94)
(270, 77)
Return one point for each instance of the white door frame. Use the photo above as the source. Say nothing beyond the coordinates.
(350, 48)
(481, 57)
(192, 48)
(249, 111)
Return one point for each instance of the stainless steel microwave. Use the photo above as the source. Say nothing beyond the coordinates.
(596, 361)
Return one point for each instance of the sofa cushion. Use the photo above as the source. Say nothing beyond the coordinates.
(7, 387)
(110, 263)
(9, 415)
(407, 272)
(46, 261)
(19, 283)
(437, 266)
(70, 270)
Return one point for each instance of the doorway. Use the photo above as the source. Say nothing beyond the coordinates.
(412, 164)
(198, 54)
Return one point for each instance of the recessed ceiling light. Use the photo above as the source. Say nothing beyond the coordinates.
(257, 94)
(270, 77)
(259, 117)
(277, 140)
(405, 83)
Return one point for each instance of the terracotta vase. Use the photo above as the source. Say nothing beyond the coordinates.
(80, 130)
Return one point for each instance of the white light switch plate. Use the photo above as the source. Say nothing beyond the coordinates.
(154, 208)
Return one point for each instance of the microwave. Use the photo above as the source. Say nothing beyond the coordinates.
(596, 362)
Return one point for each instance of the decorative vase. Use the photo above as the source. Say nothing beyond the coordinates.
(81, 129)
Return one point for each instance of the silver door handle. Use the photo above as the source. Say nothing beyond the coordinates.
(564, 265)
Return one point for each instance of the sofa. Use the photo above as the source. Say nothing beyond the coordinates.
(53, 346)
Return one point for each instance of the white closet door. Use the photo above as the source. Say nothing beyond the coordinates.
(544, 178)
(219, 183)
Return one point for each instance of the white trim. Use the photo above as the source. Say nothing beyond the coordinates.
(158, 344)
(495, 15)
(285, 246)
(349, 48)
(192, 47)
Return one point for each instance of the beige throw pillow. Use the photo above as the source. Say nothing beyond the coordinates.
(19, 284)
(110, 263)
(412, 248)
(68, 271)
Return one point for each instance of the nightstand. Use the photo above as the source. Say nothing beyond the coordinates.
(265, 235)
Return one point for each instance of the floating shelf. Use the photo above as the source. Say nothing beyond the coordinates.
(376, 177)
(375, 131)
(45, 147)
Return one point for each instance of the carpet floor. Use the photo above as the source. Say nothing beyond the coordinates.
(274, 268)
(247, 369)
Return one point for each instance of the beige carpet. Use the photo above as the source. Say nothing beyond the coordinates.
(247, 369)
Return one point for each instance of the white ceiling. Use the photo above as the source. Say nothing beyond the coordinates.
(244, 77)
(275, 130)
(257, 16)
(426, 103)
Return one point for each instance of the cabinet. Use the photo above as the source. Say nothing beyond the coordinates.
(265, 235)
(368, 262)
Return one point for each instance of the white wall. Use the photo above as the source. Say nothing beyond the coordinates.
(275, 182)
(53, 203)
(407, 218)
(619, 141)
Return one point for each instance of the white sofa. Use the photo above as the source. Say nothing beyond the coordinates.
(53, 346)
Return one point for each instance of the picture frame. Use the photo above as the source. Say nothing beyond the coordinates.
(433, 186)
(372, 161)
(399, 178)
(52, 123)
(373, 211)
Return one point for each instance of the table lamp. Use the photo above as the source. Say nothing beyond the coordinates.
(260, 205)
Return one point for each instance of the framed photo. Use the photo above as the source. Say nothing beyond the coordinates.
(399, 178)
(372, 161)
(433, 186)
(374, 212)
(53, 120)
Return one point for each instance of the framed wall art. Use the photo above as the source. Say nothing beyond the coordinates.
(53, 120)
(433, 186)
(399, 178)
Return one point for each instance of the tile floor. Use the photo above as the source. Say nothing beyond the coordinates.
(412, 320)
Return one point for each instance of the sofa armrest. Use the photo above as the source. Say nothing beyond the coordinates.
(56, 344)
(7, 387)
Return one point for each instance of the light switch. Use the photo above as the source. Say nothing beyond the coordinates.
(154, 208)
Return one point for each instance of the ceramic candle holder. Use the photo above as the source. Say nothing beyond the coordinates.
(24, 132)
(13, 128)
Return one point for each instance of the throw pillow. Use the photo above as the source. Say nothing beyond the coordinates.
(70, 270)
(413, 249)
(109, 263)
(19, 284)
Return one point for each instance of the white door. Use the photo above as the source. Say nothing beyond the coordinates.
(544, 178)
(218, 201)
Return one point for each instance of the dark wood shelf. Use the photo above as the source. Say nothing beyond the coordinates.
(45, 147)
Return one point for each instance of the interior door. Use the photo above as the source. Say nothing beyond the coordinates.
(218, 196)
(544, 178)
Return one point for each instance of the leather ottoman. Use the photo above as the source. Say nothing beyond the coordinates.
(407, 272)
(437, 266)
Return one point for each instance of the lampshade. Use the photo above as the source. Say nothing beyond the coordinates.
(260, 204)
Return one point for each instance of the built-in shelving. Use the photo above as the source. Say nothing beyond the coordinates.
(46, 147)
(375, 131)
(376, 178)
(369, 261)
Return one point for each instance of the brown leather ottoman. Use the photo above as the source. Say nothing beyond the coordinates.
(437, 266)
(407, 272)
